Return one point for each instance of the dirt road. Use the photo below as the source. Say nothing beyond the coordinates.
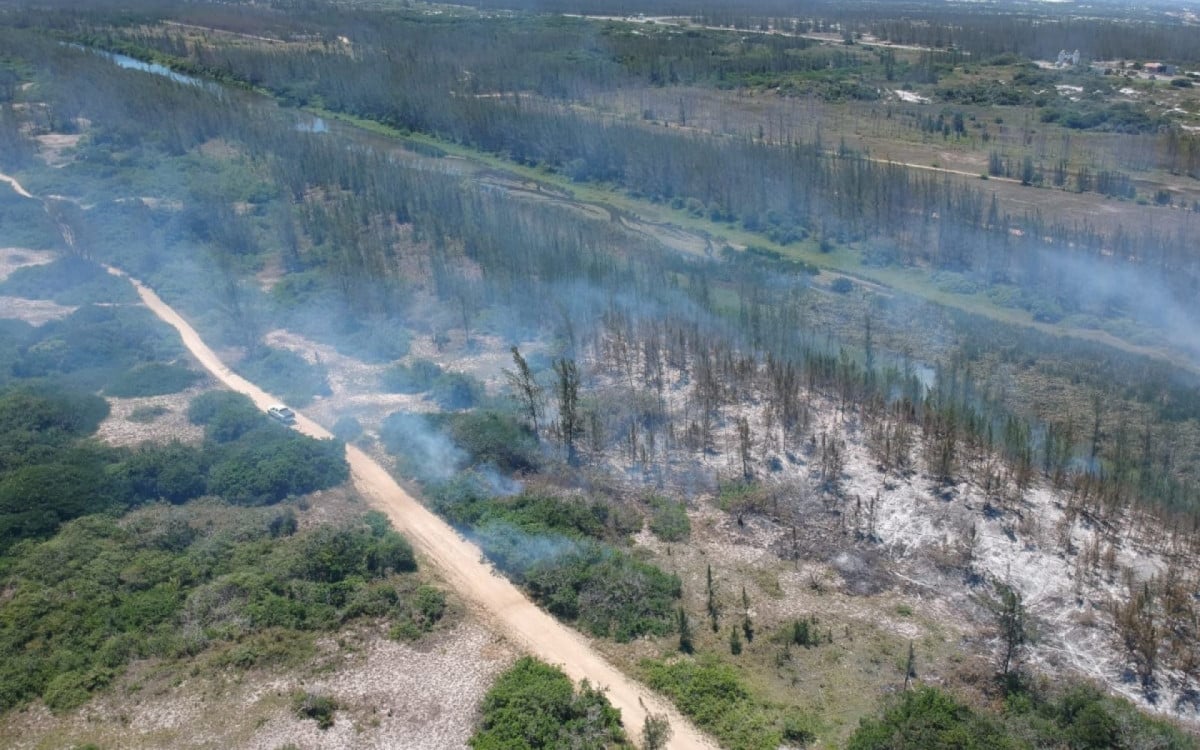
(16, 186)
(459, 561)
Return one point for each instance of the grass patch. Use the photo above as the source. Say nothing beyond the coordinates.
(148, 414)
(713, 694)
(669, 520)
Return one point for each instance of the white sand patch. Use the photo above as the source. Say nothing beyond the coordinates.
(119, 429)
(33, 311)
(53, 148)
(12, 258)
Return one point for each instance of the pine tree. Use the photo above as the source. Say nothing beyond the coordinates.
(910, 666)
(747, 626)
(525, 388)
(685, 632)
(712, 602)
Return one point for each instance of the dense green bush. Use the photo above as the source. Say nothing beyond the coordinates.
(95, 345)
(929, 719)
(456, 390)
(35, 419)
(320, 708)
(535, 705)
(152, 379)
(68, 281)
(226, 415)
(415, 378)
(669, 520)
(495, 439)
(347, 428)
(82, 604)
(1076, 716)
(35, 499)
(271, 463)
(49, 474)
(553, 547)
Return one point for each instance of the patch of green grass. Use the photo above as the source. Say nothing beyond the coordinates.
(147, 414)
(669, 520)
(716, 696)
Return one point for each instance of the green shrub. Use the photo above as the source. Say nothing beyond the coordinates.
(271, 463)
(174, 472)
(535, 705)
(152, 379)
(347, 428)
(95, 344)
(315, 706)
(929, 718)
(226, 416)
(669, 520)
(456, 390)
(496, 439)
(429, 606)
(552, 547)
(415, 378)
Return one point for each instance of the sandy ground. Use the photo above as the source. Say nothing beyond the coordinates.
(53, 148)
(12, 258)
(33, 311)
(460, 562)
(118, 429)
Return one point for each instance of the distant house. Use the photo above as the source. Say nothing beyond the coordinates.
(1155, 67)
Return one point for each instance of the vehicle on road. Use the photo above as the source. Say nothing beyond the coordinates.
(281, 414)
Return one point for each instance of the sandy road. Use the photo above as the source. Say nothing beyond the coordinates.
(459, 561)
(16, 186)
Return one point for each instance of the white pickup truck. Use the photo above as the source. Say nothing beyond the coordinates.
(281, 413)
